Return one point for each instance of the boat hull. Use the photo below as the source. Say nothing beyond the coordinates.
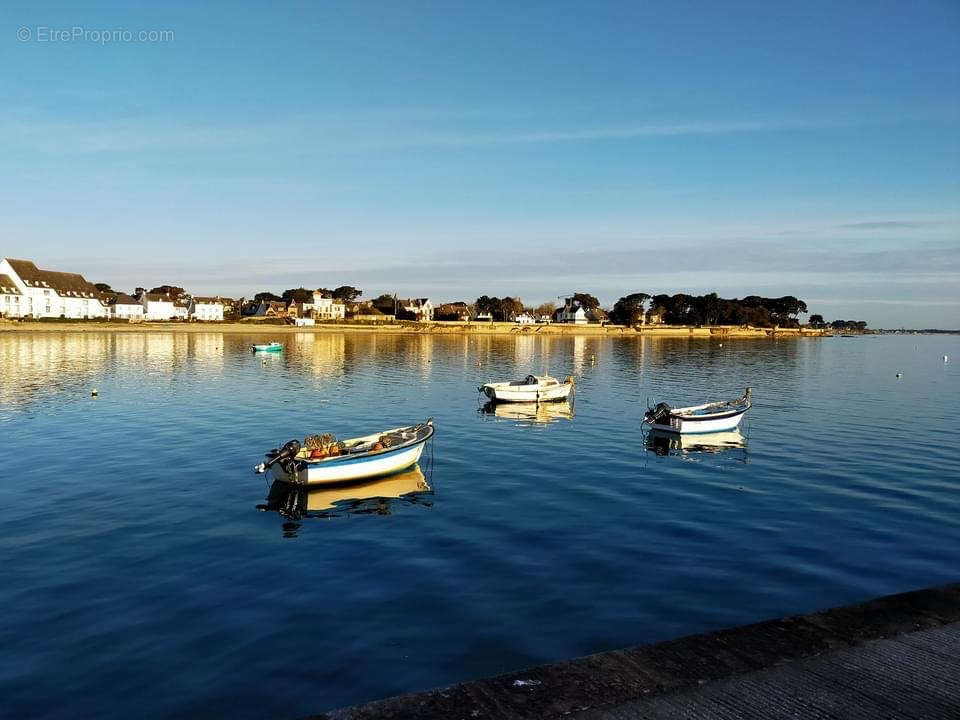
(528, 394)
(351, 469)
(694, 425)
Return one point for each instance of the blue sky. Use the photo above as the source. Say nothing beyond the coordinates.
(458, 149)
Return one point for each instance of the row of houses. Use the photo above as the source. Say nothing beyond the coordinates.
(327, 309)
(28, 291)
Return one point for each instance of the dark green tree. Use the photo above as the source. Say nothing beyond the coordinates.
(347, 293)
(629, 309)
(172, 290)
(298, 295)
(586, 301)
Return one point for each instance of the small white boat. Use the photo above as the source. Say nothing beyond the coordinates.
(707, 418)
(374, 455)
(533, 388)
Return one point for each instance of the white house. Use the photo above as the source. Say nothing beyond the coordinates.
(125, 307)
(206, 309)
(48, 293)
(10, 297)
(157, 306)
(421, 307)
(325, 308)
(181, 308)
(525, 319)
(572, 312)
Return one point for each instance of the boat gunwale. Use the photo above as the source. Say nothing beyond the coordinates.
(682, 413)
(355, 457)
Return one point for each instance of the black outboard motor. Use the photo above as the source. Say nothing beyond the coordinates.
(284, 455)
(660, 414)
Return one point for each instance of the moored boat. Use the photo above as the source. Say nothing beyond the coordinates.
(326, 461)
(268, 347)
(707, 418)
(533, 388)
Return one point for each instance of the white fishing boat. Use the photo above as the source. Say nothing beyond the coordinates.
(533, 388)
(707, 418)
(360, 458)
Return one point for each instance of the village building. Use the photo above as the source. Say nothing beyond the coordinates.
(124, 307)
(157, 307)
(271, 308)
(301, 310)
(572, 312)
(206, 309)
(452, 311)
(325, 308)
(49, 293)
(181, 308)
(597, 315)
(10, 297)
(366, 312)
(525, 318)
(420, 308)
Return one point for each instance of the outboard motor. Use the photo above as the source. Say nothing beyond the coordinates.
(284, 455)
(659, 414)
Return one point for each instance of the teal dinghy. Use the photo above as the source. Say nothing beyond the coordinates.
(269, 347)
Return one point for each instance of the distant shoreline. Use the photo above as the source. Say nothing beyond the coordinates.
(417, 328)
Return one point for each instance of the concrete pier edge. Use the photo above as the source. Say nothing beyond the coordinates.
(630, 674)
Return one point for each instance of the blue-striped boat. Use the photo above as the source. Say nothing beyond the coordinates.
(374, 455)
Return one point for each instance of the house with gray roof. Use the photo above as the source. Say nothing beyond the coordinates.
(50, 293)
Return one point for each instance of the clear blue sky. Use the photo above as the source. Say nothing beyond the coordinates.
(457, 149)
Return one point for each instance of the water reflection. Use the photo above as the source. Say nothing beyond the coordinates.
(378, 497)
(529, 412)
(664, 443)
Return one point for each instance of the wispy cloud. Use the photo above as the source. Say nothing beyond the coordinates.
(886, 225)
(365, 132)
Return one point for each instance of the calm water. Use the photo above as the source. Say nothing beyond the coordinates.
(138, 577)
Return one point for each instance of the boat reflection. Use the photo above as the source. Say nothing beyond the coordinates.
(529, 412)
(667, 443)
(377, 497)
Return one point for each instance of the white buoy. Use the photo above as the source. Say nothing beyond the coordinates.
(899, 375)
(945, 358)
(721, 344)
(94, 392)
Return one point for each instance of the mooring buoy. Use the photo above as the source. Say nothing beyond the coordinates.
(94, 392)
(899, 375)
